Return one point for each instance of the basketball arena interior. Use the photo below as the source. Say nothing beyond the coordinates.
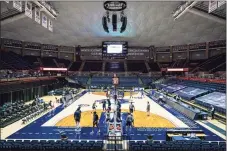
(113, 75)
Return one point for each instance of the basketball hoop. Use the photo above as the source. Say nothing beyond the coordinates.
(115, 80)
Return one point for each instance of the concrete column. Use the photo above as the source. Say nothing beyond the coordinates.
(41, 51)
(58, 52)
(171, 54)
(154, 54)
(74, 54)
(22, 49)
(207, 50)
(188, 53)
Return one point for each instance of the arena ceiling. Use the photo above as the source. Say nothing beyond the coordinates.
(149, 23)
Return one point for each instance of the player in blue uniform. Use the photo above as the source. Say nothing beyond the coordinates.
(142, 93)
(109, 104)
(94, 106)
(107, 116)
(95, 122)
(77, 116)
(104, 105)
(148, 109)
(131, 108)
(129, 121)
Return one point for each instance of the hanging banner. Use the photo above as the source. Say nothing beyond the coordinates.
(42, 2)
(220, 3)
(17, 5)
(50, 25)
(37, 15)
(28, 9)
(213, 5)
(47, 6)
(44, 20)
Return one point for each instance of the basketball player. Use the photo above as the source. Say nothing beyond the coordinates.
(131, 94)
(148, 109)
(131, 108)
(51, 104)
(94, 106)
(89, 89)
(142, 93)
(107, 116)
(118, 114)
(123, 95)
(109, 104)
(129, 121)
(64, 102)
(212, 111)
(77, 116)
(119, 104)
(104, 105)
(95, 122)
(107, 94)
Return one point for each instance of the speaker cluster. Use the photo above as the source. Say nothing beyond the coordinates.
(113, 8)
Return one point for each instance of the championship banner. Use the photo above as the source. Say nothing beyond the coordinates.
(44, 20)
(28, 9)
(17, 5)
(213, 5)
(42, 2)
(47, 6)
(50, 25)
(220, 3)
(37, 15)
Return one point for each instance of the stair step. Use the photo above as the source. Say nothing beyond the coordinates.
(112, 146)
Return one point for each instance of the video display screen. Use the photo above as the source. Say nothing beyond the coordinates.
(114, 48)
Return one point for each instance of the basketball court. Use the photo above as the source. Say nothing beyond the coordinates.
(52, 123)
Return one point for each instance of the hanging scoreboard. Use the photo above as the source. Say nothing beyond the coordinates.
(114, 48)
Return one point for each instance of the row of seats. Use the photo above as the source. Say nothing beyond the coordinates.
(177, 146)
(82, 79)
(48, 62)
(114, 67)
(50, 145)
(107, 81)
(213, 62)
(92, 66)
(189, 83)
(75, 66)
(14, 75)
(146, 80)
(137, 66)
(12, 112)
(204, 85)
(14, 61)
(33, 115)
(101, 81)
(11, 60)
(129, 82)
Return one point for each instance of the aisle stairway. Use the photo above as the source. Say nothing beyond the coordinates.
(140, 81)
(125, 66)
(82, 66)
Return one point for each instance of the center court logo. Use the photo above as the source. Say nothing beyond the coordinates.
(83, 105)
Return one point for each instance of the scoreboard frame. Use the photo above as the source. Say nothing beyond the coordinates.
(124, 48)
